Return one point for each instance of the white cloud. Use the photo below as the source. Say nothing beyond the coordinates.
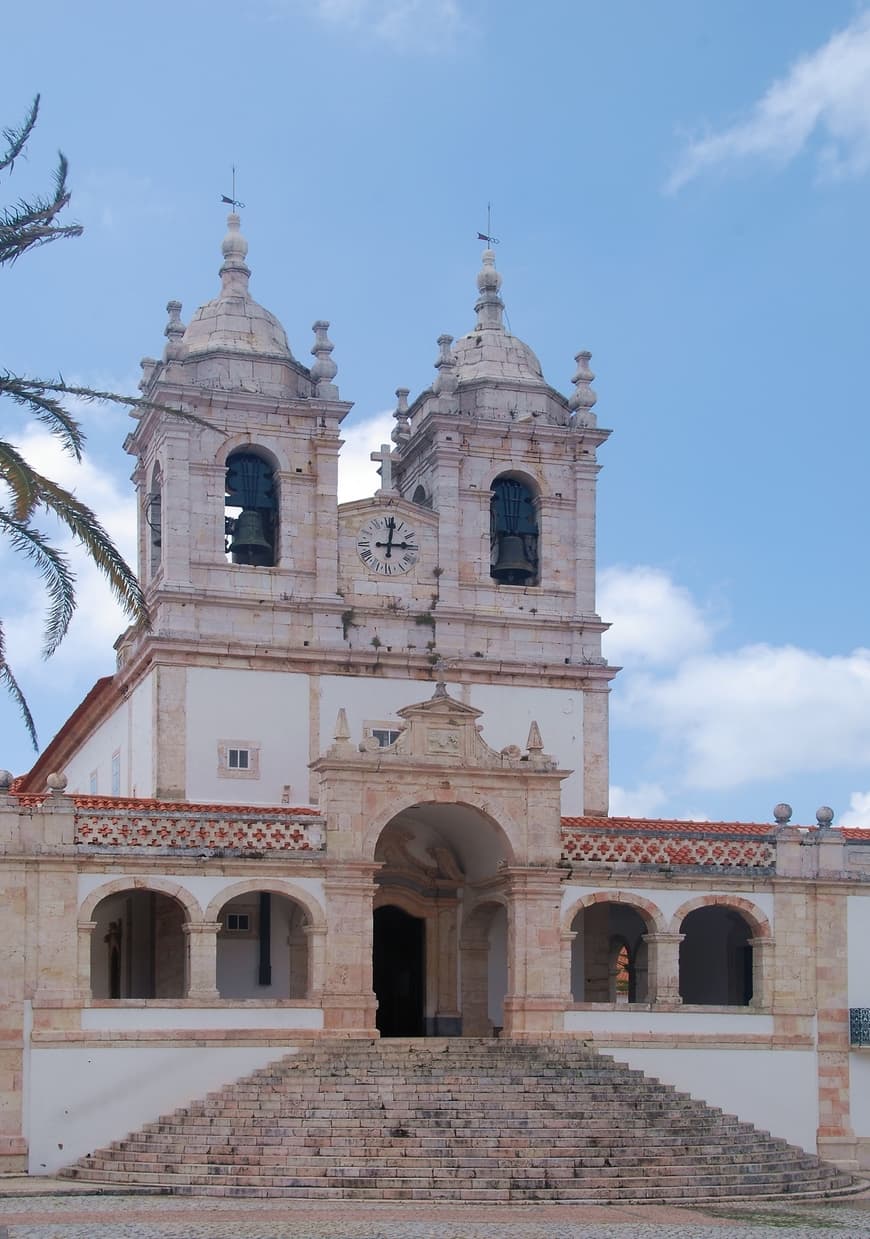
(826, 93)
(405, 25)
(858, 812)
(645, 800)
(357, 472)
(655, 622)
(759, 712)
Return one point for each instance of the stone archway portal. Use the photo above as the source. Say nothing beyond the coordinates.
(398, 965)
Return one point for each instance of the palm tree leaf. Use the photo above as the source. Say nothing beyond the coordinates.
(7, 679)
(53, 567)
(16, 139)
(31, 393)
(85, 526)
(17, 474)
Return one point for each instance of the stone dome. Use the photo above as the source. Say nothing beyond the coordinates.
(233, 321)
(489, 352)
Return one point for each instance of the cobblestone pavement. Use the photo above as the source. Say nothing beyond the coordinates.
(80, 1216)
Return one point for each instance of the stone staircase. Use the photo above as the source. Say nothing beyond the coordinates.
(458, 1119)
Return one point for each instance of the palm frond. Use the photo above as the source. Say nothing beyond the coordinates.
(53, 567)
(16, 139)
(29, 224)
(85, 526)
(18, 476)
(30, 393)
(7, 679)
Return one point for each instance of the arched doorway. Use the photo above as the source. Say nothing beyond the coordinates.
(434, 959)
(399, 972)
(262, 949)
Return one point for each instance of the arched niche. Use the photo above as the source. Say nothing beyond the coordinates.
(609, 955)
(154, 520)
(263, 946)
(716, 957)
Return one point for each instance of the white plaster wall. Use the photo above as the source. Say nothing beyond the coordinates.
(669, 900)
(776, 1090)
(626, 1019)
(137, 1019)
(137, 765)
(268, 708)
(858, 936)
(82, 1099)
(96, 754)
(859, 1090)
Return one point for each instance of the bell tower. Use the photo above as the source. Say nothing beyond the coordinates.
(236, 467)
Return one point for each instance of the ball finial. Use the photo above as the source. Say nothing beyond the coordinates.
(782, 813)
(56, 783)
(824, 816)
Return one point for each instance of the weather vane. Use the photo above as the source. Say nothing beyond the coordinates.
(487, 236)
(233, 202)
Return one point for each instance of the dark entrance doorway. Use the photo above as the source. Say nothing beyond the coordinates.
(398, 971)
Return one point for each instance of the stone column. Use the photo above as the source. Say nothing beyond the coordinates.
(567, 938)
(85, 939)
(762, 960)
(447, 1020)
(536, 999)
(348, 997)
(663, 965)
(315, 936)
(202, 960)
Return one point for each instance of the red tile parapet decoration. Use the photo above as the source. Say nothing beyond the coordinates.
(106, 822)
(636, 841)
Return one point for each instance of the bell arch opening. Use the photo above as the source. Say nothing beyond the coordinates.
(513, 532)
(138, 946)
(439, 961)
(251, 510)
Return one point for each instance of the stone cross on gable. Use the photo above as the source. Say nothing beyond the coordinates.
(386, 458)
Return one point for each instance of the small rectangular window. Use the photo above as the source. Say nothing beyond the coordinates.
(238, 923)
(116, 773)
(237, 759)
(385, 736)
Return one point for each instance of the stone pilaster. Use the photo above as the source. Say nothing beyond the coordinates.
(536, 1000)
(315, 936)
(836, 1139)
(349, 1002)
(596, 762)
(170, 733)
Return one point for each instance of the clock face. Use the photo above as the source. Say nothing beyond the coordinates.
(387, 545)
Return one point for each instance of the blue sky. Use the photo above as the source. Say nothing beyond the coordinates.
(681, 188)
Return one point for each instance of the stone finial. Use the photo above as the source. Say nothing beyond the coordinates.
(824, 817)
(402, 428)
(534, 743)
(489, 306)
(583, 397)
(148, 366)
(782, 813)
(55, 783)
(324, 369)
(174, 331)
(341, 735)
(445, 383)
(6, 777)
(234, 272)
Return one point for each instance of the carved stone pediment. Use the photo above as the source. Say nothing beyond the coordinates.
(440, 732)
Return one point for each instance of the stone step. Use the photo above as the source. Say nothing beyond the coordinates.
(457, 1120)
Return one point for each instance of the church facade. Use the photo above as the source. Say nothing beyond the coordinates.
(353, 780)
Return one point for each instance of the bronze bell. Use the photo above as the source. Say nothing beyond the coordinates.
(250, 545)
(513, 566)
